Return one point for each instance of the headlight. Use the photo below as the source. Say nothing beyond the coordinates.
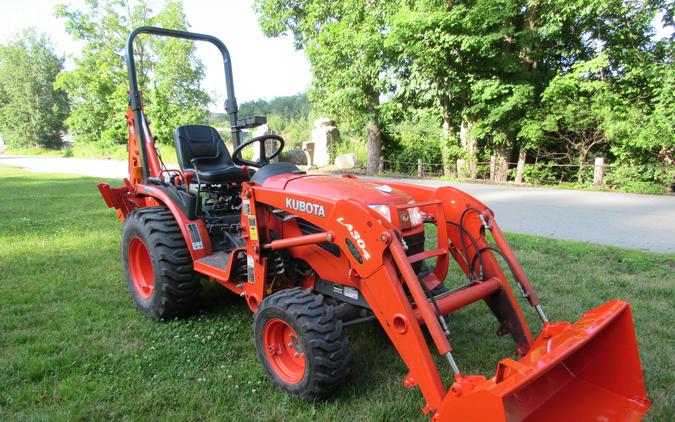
(416, 216)
(409, 217)
(383, 210)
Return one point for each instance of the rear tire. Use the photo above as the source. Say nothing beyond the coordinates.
(157, 264)
(300, 343)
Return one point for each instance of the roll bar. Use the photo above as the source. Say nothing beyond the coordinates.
(135, 101)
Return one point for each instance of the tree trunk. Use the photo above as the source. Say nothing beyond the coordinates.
(583, 153)
(445, 149)
(374, 146)
(522, 154)
(502, 164)
(469, 145)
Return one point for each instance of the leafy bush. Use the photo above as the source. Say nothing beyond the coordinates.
(409, 141)
(540, 173)
(355, 144)
(483, 171)
(644, 179)
(100, 149)
(295, 131)
(420, 141)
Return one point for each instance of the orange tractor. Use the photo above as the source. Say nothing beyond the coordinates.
(312, 254)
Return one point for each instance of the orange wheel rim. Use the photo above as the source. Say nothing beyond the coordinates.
(140, 268)
(284, 351)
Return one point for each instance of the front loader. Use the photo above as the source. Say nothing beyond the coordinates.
(314, 254)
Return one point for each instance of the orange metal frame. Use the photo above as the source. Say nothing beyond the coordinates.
(382, 272)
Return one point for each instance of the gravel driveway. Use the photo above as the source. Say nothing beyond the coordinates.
(619, 219)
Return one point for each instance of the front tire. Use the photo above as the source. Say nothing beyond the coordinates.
(300, 343)
(157, 264)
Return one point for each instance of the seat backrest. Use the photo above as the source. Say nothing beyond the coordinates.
(202, 143)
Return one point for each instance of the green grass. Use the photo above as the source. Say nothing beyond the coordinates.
(73, 347)
(34, 151)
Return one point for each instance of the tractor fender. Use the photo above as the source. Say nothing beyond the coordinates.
(194, 230)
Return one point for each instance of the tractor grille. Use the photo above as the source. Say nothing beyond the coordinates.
(414, 241)
(308, 228)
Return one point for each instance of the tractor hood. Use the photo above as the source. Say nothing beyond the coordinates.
(335, 188)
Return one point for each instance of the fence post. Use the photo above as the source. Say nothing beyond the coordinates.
(420, 168)
(493, 167)
(598, 171)
(461, 167)
(380, 166)
(520, 169)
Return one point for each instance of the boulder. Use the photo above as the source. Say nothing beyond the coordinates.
(324, 135)
(346, 161)
(308, 149)
(324, 122)
(295, 156)
(270, 145)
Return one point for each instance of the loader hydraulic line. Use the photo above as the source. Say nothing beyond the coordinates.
(521, 278)
(462, 232)
(435, 323)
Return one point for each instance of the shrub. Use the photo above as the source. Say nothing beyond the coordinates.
(540, 173)
(352, 143)
(644, 179)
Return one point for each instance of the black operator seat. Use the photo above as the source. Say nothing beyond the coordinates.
(201, 149)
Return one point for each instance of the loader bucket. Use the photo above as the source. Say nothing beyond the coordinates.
(588, 371)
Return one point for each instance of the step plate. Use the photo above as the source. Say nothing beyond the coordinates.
(218, 260)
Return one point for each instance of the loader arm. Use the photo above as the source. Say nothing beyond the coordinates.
(382, 272)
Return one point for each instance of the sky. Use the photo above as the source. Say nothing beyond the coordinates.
(263, 67)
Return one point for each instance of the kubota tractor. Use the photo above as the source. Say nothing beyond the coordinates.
(311, 254)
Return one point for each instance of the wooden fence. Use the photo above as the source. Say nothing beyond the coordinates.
(494, 170)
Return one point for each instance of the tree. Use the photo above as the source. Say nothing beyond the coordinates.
(32, 111)
(288, 116)
(459, 57)
(615, 94)
(565, 78)
(289, 107)
(174, 96)
(578, 125)
(169, 73)
(344, 44)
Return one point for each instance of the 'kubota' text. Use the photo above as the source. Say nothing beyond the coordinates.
(306, 207)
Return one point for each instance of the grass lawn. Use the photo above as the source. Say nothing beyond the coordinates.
(72, 346)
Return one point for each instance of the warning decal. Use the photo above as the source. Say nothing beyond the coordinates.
(194, 237)
(252, 229)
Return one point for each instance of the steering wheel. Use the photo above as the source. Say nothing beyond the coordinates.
(264, 159)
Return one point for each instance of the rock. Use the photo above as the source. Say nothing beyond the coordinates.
(295, 156)
(270, 145)
(323, 135)
(323, 122)
(346, 161)
(308, 149)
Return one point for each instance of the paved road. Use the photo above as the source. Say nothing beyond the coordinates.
(627, 220)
